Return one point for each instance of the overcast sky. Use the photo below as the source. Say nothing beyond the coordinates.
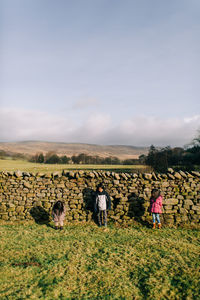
(100, 71)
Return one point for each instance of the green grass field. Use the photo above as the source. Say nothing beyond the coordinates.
(13, 165)
(85, 262)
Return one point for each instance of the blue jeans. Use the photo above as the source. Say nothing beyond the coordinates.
(156, 216)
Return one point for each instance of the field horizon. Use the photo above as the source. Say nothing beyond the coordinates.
(25, 166)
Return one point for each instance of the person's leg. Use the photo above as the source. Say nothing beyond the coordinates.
(158, 219)
(105, 218)
(99, 217)
(154, 220)
(56, 225)
(61, 225)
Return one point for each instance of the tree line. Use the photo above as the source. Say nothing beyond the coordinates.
(53, 158)
(187, 158)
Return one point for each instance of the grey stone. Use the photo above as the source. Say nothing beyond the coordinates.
(18, 174)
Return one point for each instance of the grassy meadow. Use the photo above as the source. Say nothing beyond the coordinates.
(86, 262)
(13, 165)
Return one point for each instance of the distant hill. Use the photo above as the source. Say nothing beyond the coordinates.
(69, 149)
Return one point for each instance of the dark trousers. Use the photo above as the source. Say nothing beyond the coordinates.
(102, 213)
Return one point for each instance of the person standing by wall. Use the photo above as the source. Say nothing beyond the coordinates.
(102, 203)
(156, 207)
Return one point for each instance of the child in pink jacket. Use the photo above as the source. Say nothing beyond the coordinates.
(155, 207)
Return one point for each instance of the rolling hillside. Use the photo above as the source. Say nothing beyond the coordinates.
(69, 149)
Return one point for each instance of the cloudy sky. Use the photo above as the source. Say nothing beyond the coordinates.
(100, 71)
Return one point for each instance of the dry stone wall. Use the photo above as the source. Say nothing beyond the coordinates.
(25, 196)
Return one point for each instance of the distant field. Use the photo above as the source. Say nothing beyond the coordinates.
(85, 262)
(13, 165)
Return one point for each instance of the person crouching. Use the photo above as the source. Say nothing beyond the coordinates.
(58, 214)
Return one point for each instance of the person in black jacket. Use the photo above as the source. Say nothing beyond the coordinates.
(102, 203)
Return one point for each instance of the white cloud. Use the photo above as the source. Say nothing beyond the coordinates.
(144, 130)
(191, 119)
(20, 124)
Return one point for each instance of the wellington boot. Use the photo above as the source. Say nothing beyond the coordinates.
(159, 225)
(154, 226)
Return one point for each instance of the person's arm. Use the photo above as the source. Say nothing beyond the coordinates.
(150, 205)
(95, 203)
(108, 201)
(160, 201)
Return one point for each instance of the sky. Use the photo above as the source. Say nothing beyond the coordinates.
(100, 71)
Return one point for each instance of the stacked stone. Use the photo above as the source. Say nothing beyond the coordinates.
(26, 195)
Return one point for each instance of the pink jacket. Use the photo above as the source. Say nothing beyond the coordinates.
(155, 206)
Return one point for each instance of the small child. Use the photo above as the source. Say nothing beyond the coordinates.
(102, 203)
(58, 214)
(155, 207)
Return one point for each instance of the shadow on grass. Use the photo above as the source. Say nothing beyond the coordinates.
(143, 281)
(27, 264)
(41, 216)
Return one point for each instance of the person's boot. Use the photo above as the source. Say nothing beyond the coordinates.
(61, 227)
(154, 226)
(159, 225)
(56, 227)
